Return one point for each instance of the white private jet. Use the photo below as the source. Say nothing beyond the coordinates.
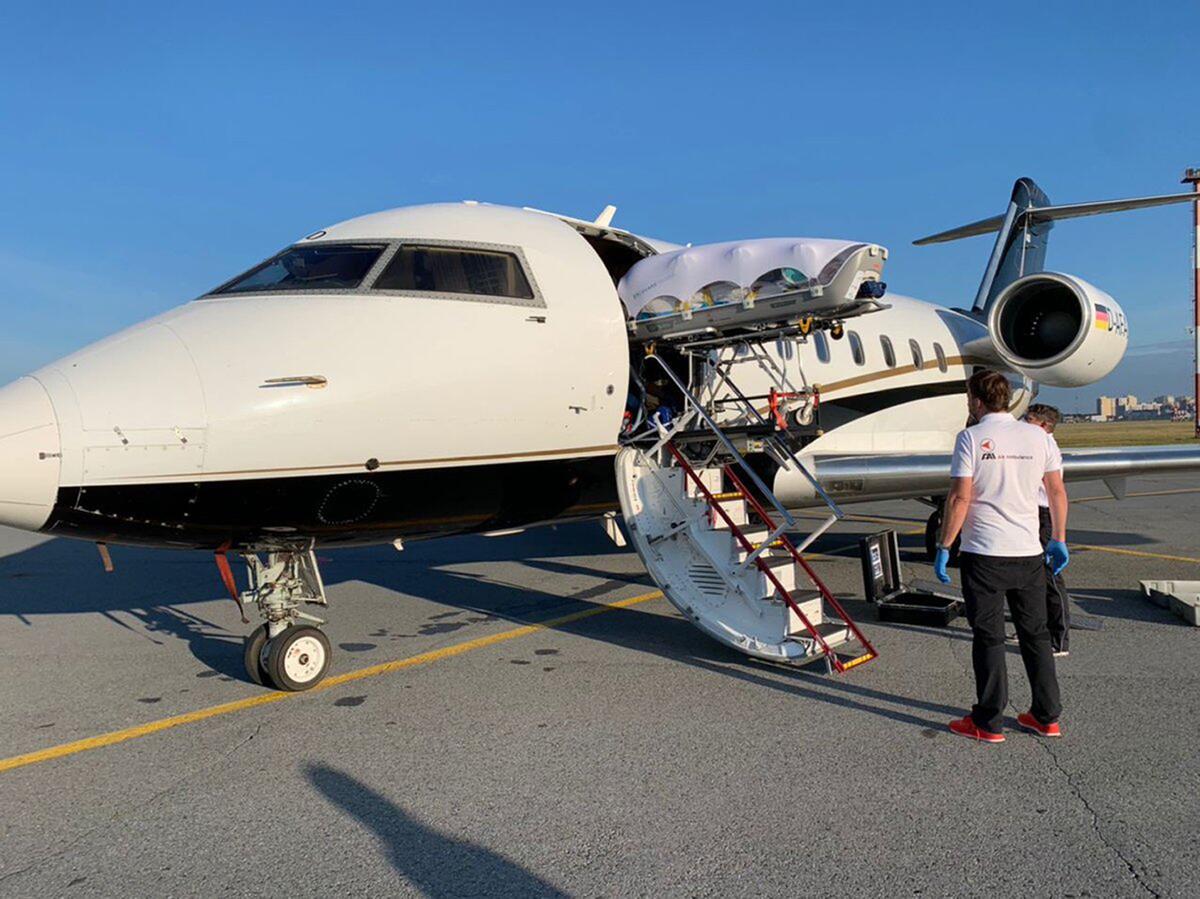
(462, 367)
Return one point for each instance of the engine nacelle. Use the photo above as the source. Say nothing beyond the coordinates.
(1058, 329)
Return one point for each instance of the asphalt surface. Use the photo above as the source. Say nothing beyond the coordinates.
(622, 753)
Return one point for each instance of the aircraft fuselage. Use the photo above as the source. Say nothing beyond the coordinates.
(358, 415)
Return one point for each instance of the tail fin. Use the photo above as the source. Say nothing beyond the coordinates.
(1024, 231)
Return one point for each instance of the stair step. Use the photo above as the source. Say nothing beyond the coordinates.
(738, 513)
(784, 568)
(755, 533)
(812, 604)
(712, 478)
(836, 633)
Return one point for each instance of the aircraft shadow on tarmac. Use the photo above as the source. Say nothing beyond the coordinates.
(1122, 603)
(435, 863)
(61, 576)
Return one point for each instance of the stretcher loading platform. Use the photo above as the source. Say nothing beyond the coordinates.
(721, 290)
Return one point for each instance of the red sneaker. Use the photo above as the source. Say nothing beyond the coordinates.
(1031, 724)
(966, 727)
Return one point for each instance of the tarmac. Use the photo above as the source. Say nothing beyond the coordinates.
(525, 715)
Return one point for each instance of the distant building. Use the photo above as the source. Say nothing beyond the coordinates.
(1167, 407)
(1145, 411)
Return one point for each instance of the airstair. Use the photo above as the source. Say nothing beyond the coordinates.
(715, 537)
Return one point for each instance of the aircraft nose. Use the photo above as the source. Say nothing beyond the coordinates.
(29, 455)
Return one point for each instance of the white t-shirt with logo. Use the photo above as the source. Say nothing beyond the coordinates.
(1006, 460)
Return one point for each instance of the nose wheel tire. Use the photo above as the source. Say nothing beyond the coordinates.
(253, 656)
(298, 658)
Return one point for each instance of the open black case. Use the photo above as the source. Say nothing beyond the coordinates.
(921, 602)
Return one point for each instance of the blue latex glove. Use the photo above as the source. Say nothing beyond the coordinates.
(1057, 555)
(940, 560)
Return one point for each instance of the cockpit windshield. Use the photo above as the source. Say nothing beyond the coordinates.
(315, 267)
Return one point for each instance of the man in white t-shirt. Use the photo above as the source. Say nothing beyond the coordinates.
(998, 466)
(1058, 608)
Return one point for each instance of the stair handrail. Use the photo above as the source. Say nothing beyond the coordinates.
(779, 443)
(725, 441)
(826, 593)
(759, 561)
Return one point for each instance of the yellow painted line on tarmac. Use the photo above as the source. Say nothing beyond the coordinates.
(1133, 552)
(424, 658)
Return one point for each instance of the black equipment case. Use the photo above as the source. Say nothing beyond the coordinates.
(921, 602)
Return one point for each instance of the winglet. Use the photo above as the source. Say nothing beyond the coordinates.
(604, 219)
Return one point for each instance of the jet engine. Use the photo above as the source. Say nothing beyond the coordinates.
(1058, 329)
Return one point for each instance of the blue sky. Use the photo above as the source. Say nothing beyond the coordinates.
(151, 151)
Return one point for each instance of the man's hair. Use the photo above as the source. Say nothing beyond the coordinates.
(1047, 415)
(991, 388)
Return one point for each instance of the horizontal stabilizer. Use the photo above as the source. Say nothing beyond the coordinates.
(1053, 213)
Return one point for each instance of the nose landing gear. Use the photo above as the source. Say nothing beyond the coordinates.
(283, 652)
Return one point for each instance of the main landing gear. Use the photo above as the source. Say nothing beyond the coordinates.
(288, 650)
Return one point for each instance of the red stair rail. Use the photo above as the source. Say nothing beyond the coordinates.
(828, 596)
(762, 566)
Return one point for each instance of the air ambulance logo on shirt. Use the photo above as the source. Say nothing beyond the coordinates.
(989, 449)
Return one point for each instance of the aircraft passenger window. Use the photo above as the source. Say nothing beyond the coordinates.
(889, 355)
(430, 269)
(333, 266)
(821, 342)
(856, 348)
(918, 360)
(941, 357)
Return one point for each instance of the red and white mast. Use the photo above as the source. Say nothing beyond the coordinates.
(1192, 177)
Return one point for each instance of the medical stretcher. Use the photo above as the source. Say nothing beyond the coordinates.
(745, 286)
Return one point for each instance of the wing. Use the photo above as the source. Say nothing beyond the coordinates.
(863, 478)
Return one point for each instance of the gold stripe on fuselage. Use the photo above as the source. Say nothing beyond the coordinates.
(884, 374)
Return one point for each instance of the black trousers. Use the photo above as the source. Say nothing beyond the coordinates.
(988, 581)
(1058, 609)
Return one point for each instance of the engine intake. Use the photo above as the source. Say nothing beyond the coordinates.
(1058, 329)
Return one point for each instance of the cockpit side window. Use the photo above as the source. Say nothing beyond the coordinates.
(448, 270)
(316, 267)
